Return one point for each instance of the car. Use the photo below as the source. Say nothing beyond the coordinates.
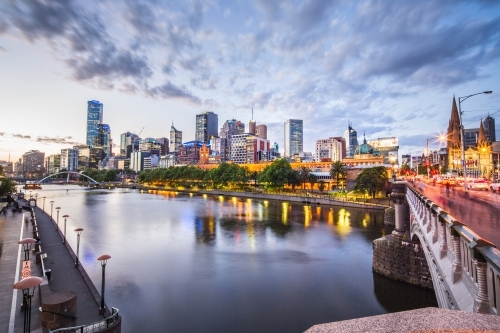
(478, 184)
(495, 187)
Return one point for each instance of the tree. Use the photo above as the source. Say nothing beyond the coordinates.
(7, 186)
(304, 175)
(277, 174)
(371, 180)
(293, 179)
(312, 180)
(321, 186)
(337, 171)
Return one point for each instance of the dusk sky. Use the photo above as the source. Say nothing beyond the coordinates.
(388, 67)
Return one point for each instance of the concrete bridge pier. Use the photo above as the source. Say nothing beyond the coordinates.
(398, 196)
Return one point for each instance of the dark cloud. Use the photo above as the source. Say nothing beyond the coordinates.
(169, 90)
(21, 136)
(2, 133)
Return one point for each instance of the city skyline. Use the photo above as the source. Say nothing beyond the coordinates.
(390, 69)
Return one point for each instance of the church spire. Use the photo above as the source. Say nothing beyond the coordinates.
(454, 127)
(481, 138)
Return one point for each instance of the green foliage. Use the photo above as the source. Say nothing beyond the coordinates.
(7, 186)
(293, 178)
(371, 180)
(304, 175)
(277, 174)
(312, 180)
(338, 170)
(321, 186)
(99, 175)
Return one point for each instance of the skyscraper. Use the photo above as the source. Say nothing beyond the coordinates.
(127, 141)
(230, 128)
(94, 118)
(103, 139)
(293, 137)
(489, 128)
(206, 126)
(351, 140)
(175, 139)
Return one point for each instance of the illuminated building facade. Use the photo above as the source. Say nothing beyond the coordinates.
(94, 118)
(294, 137)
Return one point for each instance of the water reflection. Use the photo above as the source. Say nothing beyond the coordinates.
(227, 263)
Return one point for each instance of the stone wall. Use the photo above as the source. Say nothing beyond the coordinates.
(390, 217)
(401, 261)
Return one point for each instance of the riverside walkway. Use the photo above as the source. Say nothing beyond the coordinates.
(60, 259)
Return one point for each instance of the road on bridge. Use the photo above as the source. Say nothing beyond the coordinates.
(479, 210)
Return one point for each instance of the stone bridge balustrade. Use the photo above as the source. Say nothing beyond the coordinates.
(465, 268)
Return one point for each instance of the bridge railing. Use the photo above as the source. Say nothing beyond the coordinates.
(475, 262)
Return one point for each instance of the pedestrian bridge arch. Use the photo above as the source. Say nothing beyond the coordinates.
(68, 172)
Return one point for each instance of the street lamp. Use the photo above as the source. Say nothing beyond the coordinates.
(65, 218)
(26, 243)
(25, 285)
(462, 132)
(103, 259)
(78, 233)
(57, 225)
(43, 203)
(51, 206)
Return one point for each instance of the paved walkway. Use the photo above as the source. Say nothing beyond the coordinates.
(60, 259)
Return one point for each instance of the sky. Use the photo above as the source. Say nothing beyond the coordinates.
(390, 68)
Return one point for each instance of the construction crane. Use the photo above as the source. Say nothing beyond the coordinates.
(140, 132)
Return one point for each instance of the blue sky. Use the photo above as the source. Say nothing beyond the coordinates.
(389, 67)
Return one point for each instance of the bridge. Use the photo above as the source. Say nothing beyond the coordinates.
(464, 268)
(68, 173)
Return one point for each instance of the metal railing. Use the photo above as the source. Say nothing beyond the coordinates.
(474, 261)
(94, 327)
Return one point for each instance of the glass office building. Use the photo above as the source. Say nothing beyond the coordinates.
(94, 118)
(206, 126)
(294, 131)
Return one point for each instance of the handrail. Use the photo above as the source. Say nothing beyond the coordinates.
(94, 327)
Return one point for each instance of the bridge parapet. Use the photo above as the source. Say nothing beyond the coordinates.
(465, 268)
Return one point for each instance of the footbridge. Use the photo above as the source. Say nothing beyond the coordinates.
(429, 242)
(68, 173)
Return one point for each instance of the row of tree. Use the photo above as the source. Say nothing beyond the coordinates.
(277, 175)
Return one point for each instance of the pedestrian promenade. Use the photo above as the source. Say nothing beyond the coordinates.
(60, 259)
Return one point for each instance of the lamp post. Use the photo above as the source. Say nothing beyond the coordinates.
(25, 285)
(78, 233)
(26, 243)
(57, 225)
(65, 218)
(103, 259)
(51, 206)
(43, 203)
(462, 132)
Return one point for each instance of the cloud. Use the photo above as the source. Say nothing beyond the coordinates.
(169, 90)
(58, 140)
(20, 136)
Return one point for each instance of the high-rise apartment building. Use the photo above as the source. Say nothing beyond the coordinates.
(206, 126)
(33, 161)
(294, 131)
(351, 140)
(489, 128)
(126, 143)
(175, 139)
(52, 163)
(330, 150)
(94, 118)
(230, 128)
(69, 159)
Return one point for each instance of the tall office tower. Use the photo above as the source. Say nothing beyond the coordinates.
(33, 161)
(69, 159)
(206, 126)
(94, 118)
(175, 139)
(251, 127)
(351, 140)
(470, 137)
(126, 141)
(230, 128)
(294, 131)
(261, 131)
(163, 142)
(103, 139)
(52, 163)
(489, 128)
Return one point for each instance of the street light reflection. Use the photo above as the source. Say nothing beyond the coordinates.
(344, 223)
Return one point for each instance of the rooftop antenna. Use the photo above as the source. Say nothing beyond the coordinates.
(252, 113)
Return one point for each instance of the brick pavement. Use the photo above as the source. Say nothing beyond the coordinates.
(60, 259)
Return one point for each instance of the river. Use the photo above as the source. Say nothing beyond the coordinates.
(197, 263)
